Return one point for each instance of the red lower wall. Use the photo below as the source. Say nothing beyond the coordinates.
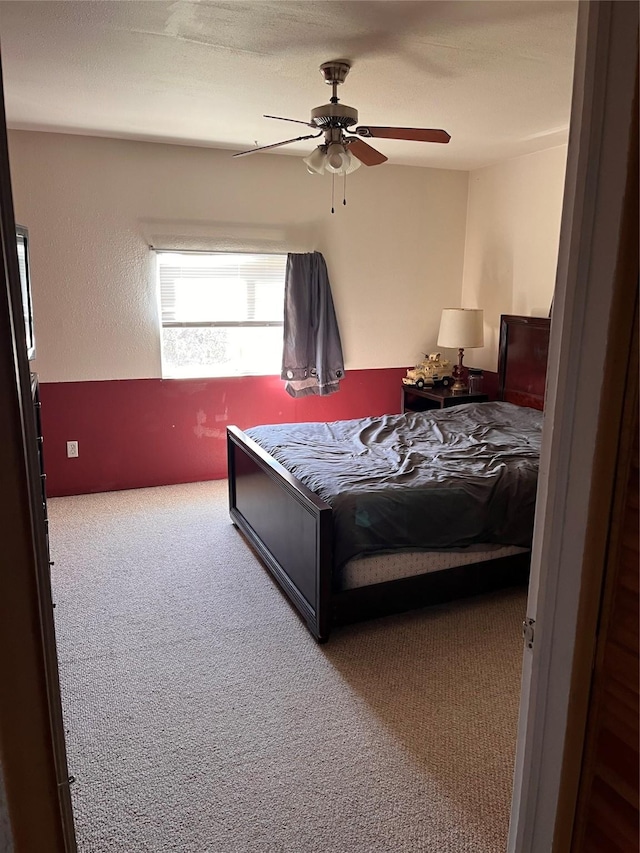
(153, 432)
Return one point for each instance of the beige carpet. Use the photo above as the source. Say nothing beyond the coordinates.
(202, 716)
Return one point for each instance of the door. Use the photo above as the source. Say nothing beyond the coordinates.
(590, 329)
(607, 810)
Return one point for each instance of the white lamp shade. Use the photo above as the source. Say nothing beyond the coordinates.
(461, 328)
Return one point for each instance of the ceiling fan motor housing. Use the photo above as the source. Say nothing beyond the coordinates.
(334, 115)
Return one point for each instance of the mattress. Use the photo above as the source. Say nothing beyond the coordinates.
(433, 480)
(378, 568)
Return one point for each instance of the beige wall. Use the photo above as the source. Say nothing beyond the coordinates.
(511, 248)
(395, 253)
(410, 242)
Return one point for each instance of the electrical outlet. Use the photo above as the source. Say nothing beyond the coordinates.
(72, 449)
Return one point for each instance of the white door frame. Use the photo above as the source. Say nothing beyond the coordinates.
(605, 71)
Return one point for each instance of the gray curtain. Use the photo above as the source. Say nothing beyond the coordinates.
(312, 361)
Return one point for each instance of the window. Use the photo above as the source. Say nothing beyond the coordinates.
(222, 313)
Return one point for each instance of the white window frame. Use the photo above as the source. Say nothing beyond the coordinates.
(204, 324)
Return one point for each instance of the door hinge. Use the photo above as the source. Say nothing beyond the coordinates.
(528, 632)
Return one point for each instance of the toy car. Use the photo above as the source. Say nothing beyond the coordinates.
(434, 370)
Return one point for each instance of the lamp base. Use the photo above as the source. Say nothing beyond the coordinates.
(459, 375)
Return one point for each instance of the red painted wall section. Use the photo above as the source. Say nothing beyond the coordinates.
(154, 432)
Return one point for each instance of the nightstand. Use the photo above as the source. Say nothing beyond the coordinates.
(422, 399)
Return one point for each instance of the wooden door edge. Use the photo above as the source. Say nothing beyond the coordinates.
(613, 458)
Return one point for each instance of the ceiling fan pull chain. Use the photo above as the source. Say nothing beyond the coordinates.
(344, 190)
(333, 184)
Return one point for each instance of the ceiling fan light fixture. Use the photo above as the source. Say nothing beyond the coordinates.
(336, 157)
(340, 160)
(353, 163)
(316, 161)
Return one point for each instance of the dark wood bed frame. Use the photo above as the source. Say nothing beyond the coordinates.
(291, 528)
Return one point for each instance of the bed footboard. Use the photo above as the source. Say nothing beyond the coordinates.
(287, 524)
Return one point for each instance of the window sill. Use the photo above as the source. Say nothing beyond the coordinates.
(178, 376)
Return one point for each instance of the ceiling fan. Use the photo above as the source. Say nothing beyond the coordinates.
(343, 150)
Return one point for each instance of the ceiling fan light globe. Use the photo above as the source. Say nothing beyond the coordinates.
(337, 158)
(352, 163)
(315, 162)
(348, 164)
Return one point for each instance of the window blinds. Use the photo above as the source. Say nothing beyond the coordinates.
(221, 289)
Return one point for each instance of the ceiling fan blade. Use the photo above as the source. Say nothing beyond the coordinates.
(413, 134)
(277, 144)
(364, 152)
(297, 120)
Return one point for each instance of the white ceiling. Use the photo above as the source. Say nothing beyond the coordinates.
(496, 75)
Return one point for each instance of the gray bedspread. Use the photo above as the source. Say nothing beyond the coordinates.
(427, 480)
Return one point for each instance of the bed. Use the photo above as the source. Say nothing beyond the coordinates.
(329, 543)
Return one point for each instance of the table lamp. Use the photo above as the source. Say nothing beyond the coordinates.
(460, 328)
